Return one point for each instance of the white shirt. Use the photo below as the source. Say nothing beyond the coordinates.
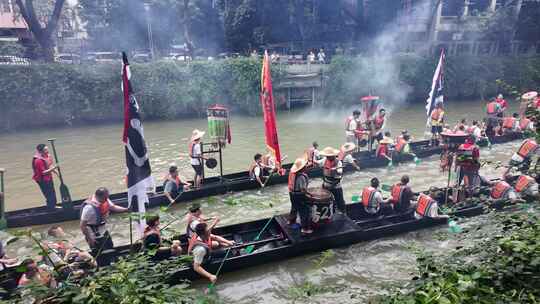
(477, 132)
(196, 152)
(352, 126)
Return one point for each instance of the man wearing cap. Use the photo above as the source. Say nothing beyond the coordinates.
(351, 125)
(194, 217)
(298, 185)
(94, 215)
(195, 153)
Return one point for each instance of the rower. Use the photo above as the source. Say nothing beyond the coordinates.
(313, 154)
(35, 275)
(525, 124)
(195, 153)
(332, 175)
(43, 167)
(63, 253)
(383, 149)
(502, 191)
(351, 125)
(194, 217)
(523, 156)
(402, 144)
(525, 186)
(510, 123)
(378, 125)
(492, 110)
(173, 185)
(502, 103)
(94, 215)
(201, 244)
(475, 130)
(461, 125)
(468, 159)
(256, 170)
(372, 199)
(401, 195)
(152, 239)
(427, 206)
(345, 155)
(298, 185)
(437, 122)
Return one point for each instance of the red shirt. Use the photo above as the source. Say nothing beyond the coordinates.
(502, 103)
(40, 165)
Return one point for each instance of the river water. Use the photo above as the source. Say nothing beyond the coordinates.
(93, 156)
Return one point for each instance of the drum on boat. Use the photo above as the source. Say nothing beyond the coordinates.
(322, 202)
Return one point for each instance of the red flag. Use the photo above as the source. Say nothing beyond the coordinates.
(269, 112)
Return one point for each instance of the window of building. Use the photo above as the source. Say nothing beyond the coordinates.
(452, 8)
(477, 7)
(5, 6)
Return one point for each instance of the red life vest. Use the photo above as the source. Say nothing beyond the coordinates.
(195, 241)
(523, 183)
(492, 108)
(524, 123)
(508, 122)
(47, 160)
(382, 150)
(368, 197)
(397, 193)
(400, 144)
(341, 155)
(425, 202)
(500, 190)
(527, 148)
(378, 122)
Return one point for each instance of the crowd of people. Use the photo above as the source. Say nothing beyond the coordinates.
(201, 240)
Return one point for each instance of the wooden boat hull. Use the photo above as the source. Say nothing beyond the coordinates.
(216, 186)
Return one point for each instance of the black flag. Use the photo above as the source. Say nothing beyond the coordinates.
(139, 177)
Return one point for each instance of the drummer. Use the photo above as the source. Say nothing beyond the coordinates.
(298, 185)
(332, 174)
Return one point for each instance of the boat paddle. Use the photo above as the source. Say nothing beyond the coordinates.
(174, 201)
(64, 190)
(249, 249)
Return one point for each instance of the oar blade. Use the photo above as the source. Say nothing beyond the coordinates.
(454, 227)
(66, 197)
(249, 249)
(386, 187)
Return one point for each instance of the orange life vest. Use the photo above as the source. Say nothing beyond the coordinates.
(292, 182)
(523, 182)
(368, 197)
(425, 202)
(500, 190)
(436, 114)
(382, 150)
(400, 144)
(527, 148)
(524, 123)
(397, 193)
(492, 108)
(508, 122)
(195, 241)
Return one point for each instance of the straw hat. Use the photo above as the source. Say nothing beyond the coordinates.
(299, 163)
(329, 151)
(387, 141)
(529, 95)
(197, 134)
(348, 147)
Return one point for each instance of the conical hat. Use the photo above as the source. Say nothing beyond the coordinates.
(329, 151)
(348, 147)
(197, 134)
(299, 163)
(529, 95)
(387, 140)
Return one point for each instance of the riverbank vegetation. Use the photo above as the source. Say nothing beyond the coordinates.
(502, 267)
(52, 94)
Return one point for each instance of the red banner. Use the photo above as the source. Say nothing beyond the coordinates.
(269, 112)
